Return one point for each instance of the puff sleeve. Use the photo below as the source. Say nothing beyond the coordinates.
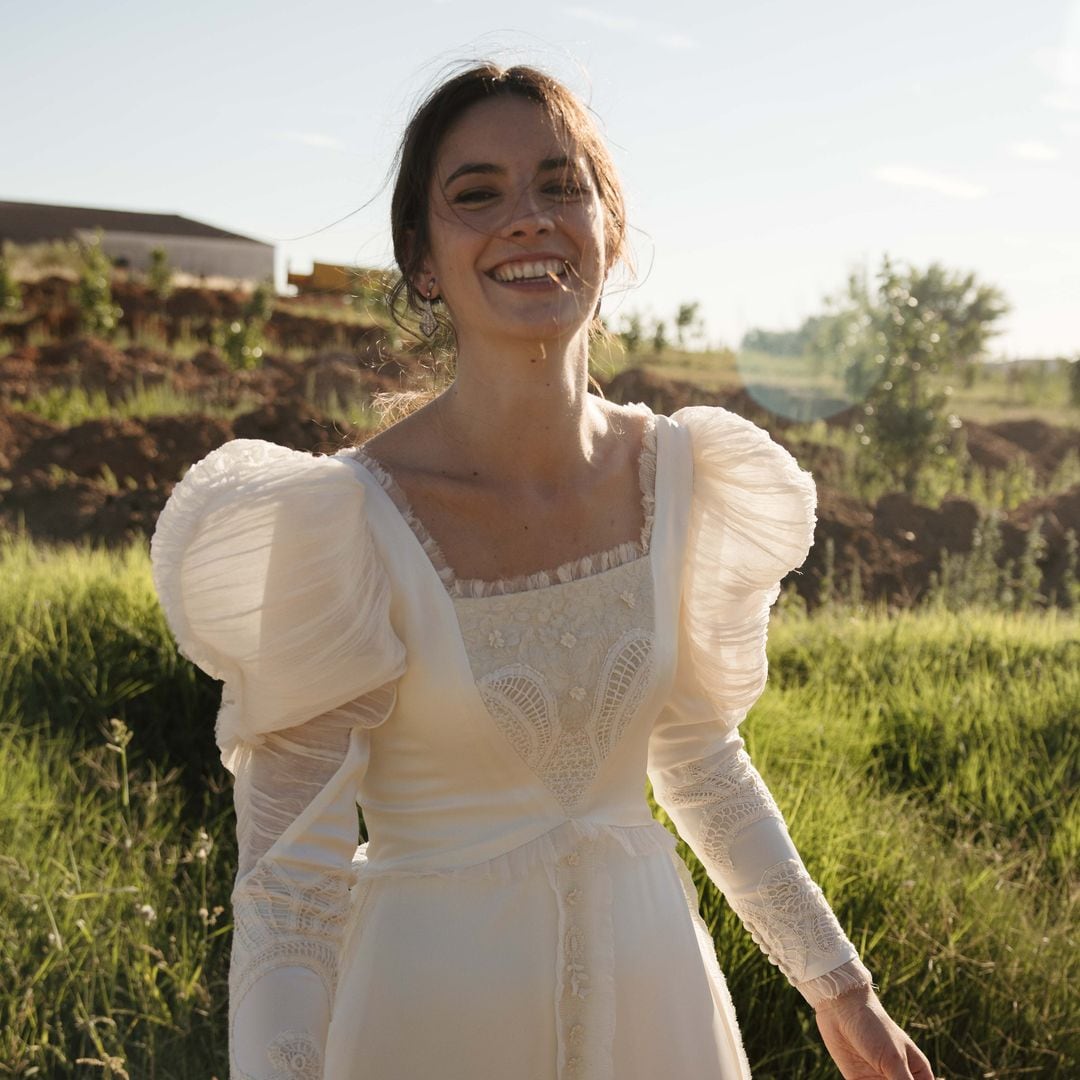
(751, 521)
(269, 579)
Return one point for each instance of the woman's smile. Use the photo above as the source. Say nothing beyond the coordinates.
(539, 270)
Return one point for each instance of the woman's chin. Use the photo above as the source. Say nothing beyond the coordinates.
(551, 325)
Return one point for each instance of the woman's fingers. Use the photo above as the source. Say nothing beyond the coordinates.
(918, 1063)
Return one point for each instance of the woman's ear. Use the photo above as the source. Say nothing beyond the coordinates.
(423, 277)
(426, 283)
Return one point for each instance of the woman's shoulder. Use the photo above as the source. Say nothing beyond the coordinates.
(266, 570)
(754, 510)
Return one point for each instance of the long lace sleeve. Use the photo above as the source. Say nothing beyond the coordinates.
(269, 578)
(722, 808)
(752, 521)
(295, 797)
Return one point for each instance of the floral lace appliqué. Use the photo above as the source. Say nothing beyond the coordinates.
(731, 794)
(791, 922)
(296, 1056)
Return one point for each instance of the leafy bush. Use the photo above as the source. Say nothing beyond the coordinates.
(889, 342)
(93, 293)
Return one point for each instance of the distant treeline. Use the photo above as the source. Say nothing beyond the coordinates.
(783, 342)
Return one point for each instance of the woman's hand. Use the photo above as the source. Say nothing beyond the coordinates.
(865, 1043)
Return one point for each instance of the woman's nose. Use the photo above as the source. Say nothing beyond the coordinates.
(529, 217)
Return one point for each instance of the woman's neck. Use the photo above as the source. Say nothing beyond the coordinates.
(522, 416)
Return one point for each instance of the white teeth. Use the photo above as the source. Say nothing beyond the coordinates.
(518, 271)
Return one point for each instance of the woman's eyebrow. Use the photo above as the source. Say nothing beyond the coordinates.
(487, 168)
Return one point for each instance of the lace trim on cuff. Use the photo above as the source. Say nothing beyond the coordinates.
(848, 976)
(791, 920)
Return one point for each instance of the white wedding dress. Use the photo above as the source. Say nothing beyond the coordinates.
(517, 913)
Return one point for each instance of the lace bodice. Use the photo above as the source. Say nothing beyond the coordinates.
(563, 670)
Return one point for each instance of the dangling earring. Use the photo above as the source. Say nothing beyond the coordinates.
(428, 325)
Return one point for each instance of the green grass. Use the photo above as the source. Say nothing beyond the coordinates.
(71, 406)
(927, 765)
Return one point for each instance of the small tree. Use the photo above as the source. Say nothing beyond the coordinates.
(159, 276)
(260, 305)
(1074, 380)
(10, 292)
(659, 341)
(687, 321)
(891, 343)
(242, 340)
(93, 293)
(632, 332)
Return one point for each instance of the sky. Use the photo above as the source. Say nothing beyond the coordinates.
(766, 149)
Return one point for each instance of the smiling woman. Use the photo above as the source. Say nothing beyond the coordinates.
(489, 625)
(558, 158)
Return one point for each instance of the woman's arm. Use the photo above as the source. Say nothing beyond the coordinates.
(723, 809)
(297, 831)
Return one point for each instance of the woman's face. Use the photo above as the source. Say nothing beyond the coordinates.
(516, 227)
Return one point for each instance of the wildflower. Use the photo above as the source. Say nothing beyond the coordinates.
(119, 734)
(114, 1065)
(203, 845)
(146, 913)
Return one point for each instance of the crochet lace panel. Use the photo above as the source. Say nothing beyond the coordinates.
(730, 795)
(564, 670)
(574, 569)
(283, 922)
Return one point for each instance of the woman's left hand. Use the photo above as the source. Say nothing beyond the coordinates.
(865, 1043)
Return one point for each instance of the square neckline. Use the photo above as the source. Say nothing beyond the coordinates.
(581, 568)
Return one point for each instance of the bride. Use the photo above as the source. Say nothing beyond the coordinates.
(487, 625)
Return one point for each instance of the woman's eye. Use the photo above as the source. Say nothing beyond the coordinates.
(474, 195)
(568, 189)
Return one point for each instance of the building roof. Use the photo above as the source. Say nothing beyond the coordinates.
(28, 223)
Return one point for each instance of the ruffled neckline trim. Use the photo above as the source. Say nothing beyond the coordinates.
(573, 570)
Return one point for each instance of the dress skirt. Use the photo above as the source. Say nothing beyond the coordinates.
(455, 976)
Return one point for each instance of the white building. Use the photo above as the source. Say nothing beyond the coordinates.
(128, 237)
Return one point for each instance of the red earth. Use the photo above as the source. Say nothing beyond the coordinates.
(105, 481)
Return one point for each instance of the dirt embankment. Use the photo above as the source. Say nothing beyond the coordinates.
(894, 546)
(108, 479)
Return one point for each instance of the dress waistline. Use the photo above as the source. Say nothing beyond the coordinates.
(547, 848)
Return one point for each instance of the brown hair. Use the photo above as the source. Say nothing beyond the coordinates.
(415, 167)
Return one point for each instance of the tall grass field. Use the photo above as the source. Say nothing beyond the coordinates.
(927, 764)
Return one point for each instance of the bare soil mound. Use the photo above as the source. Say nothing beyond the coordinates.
(1043, 443)
(106, 480)
(989, 450)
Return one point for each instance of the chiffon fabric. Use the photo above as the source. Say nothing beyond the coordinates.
(516, 912)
